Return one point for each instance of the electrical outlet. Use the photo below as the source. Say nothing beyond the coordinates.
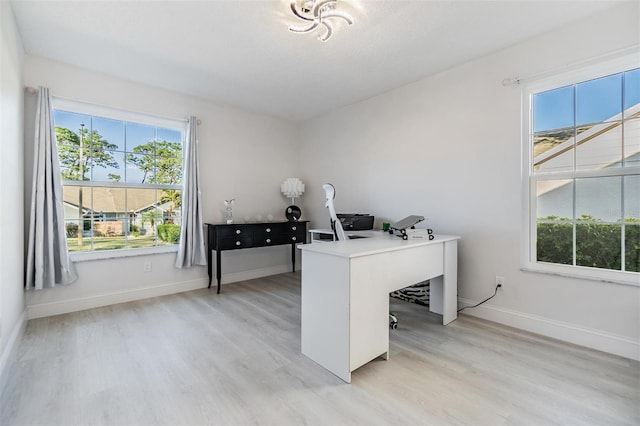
(500, 281)
(147, 266)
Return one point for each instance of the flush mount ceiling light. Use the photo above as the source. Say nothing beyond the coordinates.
(318, 13)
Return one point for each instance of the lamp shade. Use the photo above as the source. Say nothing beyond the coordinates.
(292, 187)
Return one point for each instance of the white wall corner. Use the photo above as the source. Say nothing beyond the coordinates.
(582, 336)
(10, 352)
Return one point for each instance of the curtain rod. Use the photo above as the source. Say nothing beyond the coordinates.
(29, 90)
(515, 81)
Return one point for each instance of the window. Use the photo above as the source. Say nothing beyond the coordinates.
(583, 174)
(121, 176)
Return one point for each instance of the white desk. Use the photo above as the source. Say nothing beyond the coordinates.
(345, 293)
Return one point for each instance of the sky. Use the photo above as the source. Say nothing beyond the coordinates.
(589, 102)
(126, 136)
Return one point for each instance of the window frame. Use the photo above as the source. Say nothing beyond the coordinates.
(529, 179)
(79, 107)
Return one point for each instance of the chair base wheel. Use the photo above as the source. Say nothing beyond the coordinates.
(393, 322)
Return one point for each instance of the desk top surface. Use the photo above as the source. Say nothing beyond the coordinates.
(376, 241)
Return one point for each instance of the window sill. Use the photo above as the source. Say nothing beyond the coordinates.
(585, 273)
(115, 254)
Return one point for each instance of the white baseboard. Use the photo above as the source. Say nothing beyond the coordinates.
(252, 274)
(8, 356)
(594, 339)
(48, 309)
(41, 310)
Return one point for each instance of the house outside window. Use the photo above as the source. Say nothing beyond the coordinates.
(122, 180)
(582, 173)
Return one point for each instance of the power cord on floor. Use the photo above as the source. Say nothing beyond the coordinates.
(485, 300)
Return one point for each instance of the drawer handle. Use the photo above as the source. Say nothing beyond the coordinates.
(268, 240)
(293, 238)
(268, 229)
(238, 243)
(293, 228)
(238, 231)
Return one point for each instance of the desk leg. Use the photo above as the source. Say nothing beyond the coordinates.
(324, 313)
(218, 269)
(443, 290)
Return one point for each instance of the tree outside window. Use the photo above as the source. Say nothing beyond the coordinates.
(121, 182)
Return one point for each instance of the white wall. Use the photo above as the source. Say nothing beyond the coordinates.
(449, 147)
(12, 303)
(242, 155)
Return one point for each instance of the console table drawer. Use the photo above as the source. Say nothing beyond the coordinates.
(298, 237)
(268, 240)
(233, 243)
(296, 232)
(269, 231)
(295, 227)
(240, 231)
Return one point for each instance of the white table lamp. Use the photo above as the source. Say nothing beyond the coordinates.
(292, 188)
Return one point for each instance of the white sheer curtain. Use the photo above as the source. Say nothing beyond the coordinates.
(48, 261)
(191, 250)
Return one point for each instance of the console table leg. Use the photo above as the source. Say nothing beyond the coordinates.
(293, 257)
(218, 269)
(209, 271)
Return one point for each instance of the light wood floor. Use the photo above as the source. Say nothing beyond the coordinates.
(234, 358)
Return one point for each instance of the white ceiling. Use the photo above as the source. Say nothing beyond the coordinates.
(240, 53)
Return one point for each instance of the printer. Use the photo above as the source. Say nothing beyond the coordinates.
(356, 221)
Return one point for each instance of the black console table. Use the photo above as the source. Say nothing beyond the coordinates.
(221, 237)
